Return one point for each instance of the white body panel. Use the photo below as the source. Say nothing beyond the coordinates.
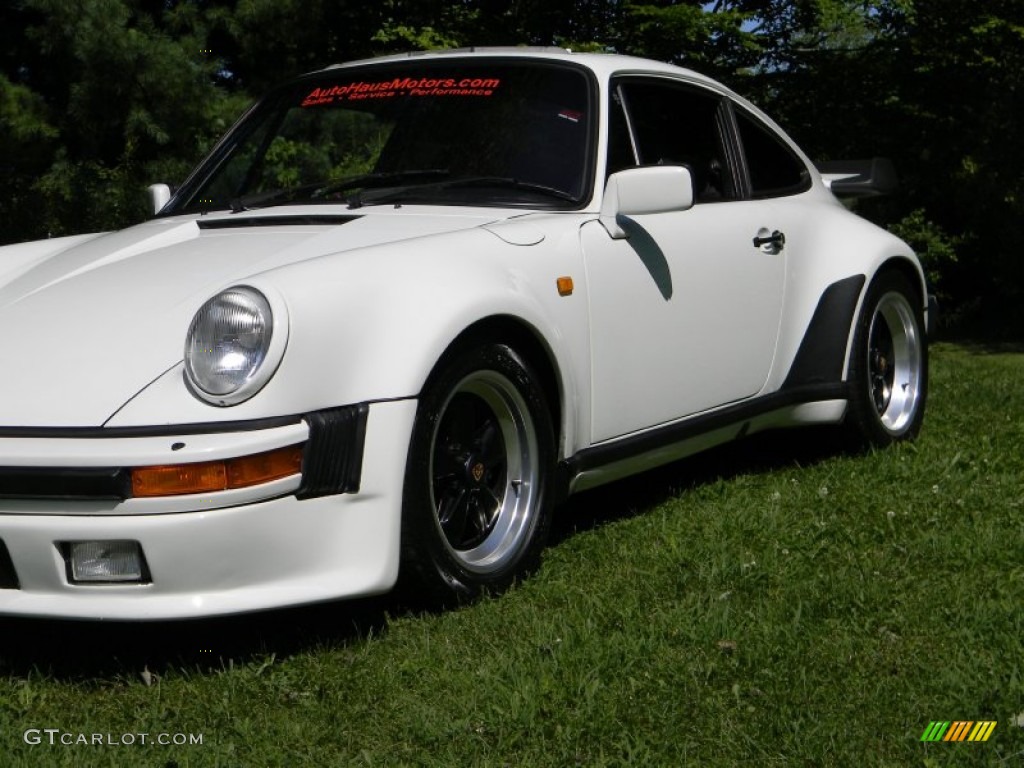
(667, 300)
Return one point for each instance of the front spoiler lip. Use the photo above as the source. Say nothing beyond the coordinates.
(254, 557)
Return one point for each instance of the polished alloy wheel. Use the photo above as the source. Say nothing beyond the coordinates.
(483, 471)
(894, 361)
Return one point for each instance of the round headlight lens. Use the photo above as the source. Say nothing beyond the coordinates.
(227, 343)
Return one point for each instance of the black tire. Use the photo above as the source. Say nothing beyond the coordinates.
(477, 496)
(888, 371)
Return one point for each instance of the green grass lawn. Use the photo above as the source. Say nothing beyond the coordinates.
(775, 602)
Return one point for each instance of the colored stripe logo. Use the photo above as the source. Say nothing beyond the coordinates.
(958, 730)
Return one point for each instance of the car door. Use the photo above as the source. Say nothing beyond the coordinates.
(684, 312)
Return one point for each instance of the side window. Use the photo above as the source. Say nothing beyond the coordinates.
(674, 124)
(774, 169)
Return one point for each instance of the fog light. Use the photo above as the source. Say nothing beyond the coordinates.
(105, 562)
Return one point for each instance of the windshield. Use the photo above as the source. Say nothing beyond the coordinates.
(443, 132)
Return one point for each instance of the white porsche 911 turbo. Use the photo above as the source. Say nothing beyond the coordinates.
(407, 305)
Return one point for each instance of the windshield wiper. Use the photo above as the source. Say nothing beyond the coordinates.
(372, 180)
(416, 191)
(510, 181)
(319, 190)
(270, 197)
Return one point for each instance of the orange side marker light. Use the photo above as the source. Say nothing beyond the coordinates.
(210, 476)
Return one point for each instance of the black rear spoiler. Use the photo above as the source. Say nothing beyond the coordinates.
(859, 178)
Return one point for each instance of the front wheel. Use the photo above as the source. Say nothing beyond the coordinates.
(888, 372)
(476, 505)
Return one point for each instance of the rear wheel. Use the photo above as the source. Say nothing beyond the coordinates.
(888, 370)
(476, 499)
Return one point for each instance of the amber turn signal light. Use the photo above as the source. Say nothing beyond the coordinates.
(209, 476)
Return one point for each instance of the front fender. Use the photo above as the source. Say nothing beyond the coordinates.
(371, 325)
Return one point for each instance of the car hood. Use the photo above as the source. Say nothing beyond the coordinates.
(90, 325)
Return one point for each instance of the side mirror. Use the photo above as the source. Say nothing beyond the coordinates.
(159, 194)
(650, 189)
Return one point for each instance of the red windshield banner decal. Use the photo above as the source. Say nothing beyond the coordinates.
(402, 86)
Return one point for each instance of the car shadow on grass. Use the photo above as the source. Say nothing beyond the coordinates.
(101, 650)
(115, 650)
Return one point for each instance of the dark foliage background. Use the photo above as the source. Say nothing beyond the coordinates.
(99, 98)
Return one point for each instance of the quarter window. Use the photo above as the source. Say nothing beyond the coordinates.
(774, 169)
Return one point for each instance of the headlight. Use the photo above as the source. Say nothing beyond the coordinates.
(233, 346)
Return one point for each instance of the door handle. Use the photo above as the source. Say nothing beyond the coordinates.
(776, 238)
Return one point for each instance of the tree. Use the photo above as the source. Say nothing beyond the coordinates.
(99, 98)
(964, 95)
(938, 87)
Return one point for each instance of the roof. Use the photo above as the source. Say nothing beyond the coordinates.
(600, 63)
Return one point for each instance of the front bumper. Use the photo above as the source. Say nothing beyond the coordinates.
(291, 541)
